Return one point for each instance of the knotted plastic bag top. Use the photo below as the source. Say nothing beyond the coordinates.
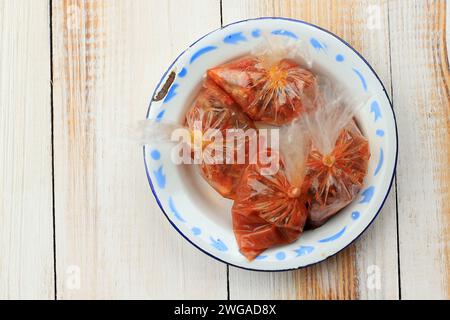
(212, 115)
(269, 208)
(338, 160)
(269, 85)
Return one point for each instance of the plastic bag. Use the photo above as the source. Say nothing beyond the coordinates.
(339, 156)
(214, 109)
(268, 85)
(270, 210)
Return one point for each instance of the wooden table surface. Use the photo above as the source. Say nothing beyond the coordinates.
(77, 217)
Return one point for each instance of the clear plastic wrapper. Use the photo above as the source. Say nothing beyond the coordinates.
(270, 209)
(214, 109)
(269, 85)
(338, 160)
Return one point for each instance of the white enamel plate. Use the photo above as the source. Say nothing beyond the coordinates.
(200, 214)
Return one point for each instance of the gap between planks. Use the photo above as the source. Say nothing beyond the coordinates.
(55, 279)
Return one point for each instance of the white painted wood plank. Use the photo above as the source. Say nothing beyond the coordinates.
(108, 57)
(421, 81)
(343, 276)
(26, 234)
(447, 31)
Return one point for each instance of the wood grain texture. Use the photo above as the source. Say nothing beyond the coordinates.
(26, 232)
(421, 80)
(108, 57)
(344, 276)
